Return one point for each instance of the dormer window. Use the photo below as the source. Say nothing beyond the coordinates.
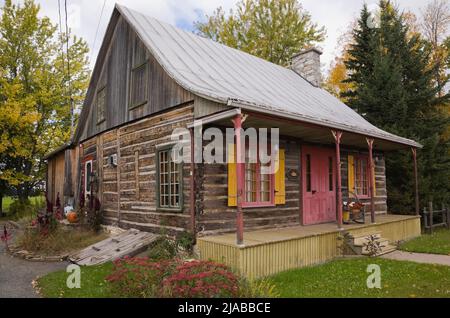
(138, 90)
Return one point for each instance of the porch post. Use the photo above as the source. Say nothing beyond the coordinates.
(240, 180)
(416, 180)
(371, 180)
(337, 137)
(192, 182)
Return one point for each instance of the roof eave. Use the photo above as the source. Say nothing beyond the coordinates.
(55, 152)
(263, 109)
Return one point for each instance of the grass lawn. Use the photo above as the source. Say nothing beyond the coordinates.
(436, 243)
(339, 278)
(347, 278)
(93, 284)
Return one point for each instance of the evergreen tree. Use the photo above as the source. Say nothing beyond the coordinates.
(393, 87)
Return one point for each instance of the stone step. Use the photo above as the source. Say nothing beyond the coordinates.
(360, 240)
(385, 250)
(383, 243)
(362, 250)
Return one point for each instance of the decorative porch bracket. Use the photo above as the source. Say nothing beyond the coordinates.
(337, 137)
(416, 180)
(372, 180)
(240, 166)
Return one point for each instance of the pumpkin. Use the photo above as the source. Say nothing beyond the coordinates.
(72, 217)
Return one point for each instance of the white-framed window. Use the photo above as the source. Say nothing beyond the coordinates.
(169, 181)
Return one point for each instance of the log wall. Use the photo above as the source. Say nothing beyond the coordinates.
(128, 191)
(217, 217)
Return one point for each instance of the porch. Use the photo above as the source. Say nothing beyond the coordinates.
(322, 165)
(266, 252)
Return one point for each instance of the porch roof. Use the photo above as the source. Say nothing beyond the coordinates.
(229, 76)
(291, 127)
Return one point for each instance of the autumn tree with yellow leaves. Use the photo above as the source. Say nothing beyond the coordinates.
(274, 30)
(36, 89)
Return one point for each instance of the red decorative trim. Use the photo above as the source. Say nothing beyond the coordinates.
(371, 179)
(237, 121)
(337, 137)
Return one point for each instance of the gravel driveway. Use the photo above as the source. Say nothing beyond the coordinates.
(17, 274)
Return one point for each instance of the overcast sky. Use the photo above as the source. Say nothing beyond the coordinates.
(84, 15)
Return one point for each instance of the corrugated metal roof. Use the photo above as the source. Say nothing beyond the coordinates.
(223, 74)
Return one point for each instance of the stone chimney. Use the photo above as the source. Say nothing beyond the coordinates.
(307, 64)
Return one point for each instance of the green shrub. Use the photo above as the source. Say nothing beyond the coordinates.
(186, 241)
(25, 209)
(162, 249)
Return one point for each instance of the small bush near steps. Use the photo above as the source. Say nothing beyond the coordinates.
(165, 248)
(162, 249)
(142, 277)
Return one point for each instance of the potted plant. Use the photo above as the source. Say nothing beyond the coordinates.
(355, 208)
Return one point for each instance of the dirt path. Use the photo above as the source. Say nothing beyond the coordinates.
(16, 275)
(419, 257)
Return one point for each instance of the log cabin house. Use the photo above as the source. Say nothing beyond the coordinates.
(151, 78)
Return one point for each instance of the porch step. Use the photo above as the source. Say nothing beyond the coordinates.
(384, 250)
(361, 239)
(364, 250)
(358, 243)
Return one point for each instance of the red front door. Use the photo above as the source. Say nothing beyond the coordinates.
(319, 182)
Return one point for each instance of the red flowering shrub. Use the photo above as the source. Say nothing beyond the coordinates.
(142, 277)
(138, 277)
(201, 279)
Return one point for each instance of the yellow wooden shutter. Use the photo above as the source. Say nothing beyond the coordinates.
(280, 179)
(351, 174)
(232, 177)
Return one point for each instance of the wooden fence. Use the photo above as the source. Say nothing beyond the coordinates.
(435, 218)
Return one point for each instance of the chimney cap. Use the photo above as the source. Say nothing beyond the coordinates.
(311, 49)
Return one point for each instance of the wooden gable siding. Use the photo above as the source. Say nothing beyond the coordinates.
(163, 93)
(128, 192)
(55, 177)
(71, 173)
(205, 107)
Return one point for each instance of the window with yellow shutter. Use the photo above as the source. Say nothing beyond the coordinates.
(259, 189)
(358, 176)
